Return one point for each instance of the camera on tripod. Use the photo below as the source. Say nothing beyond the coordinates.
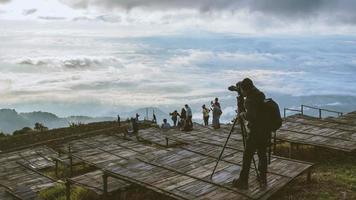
(236, 88)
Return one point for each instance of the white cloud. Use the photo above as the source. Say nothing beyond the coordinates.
(29, 11)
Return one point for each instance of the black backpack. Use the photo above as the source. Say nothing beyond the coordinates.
(272, 115)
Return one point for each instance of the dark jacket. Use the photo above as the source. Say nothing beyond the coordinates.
(183, 114)
(254, 114)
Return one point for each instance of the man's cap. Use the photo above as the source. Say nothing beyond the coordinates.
(246, 84)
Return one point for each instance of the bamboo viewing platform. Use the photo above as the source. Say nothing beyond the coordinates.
(172, 163)
(19, 176)
(337, 133)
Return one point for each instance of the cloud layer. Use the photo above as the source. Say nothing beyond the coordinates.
(331, 10)
(167, 72)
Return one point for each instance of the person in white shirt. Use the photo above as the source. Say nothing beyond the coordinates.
(189, 122)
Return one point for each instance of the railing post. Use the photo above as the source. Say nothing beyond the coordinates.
(70, 161)
(67, 183)
(105, 184)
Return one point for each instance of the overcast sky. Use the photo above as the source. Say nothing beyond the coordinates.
(90, 57)
(181, 16)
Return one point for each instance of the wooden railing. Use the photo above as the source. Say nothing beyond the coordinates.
(320, 110)
(302, 109)
(290, 109)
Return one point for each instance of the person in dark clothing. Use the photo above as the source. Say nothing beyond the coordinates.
(175, 116)
(257, 138)
(137, 117)
(217, 102)
(134, 127)
(183, 116)
(119, 120)
(154, 118)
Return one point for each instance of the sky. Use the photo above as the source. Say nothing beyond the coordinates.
(100, 57)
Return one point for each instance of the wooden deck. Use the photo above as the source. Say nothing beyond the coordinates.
(180, 169)
(5, 194)
(337, 133)
(94, 181)
(182, 172)
(18, 174)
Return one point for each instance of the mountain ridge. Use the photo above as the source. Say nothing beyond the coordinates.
(11, 120)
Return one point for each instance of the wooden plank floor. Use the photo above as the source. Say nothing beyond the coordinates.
(183, 172)
(94, 181)
(333, 133)
(4, 194)
(157, 136)
(20, 180)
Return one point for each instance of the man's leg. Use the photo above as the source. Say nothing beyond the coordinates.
(190, 122)
(242, 182)
(262, 164)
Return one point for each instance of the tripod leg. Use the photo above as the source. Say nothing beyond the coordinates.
(222, 151)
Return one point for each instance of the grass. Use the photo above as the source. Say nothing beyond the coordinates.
(333, 177)
(63, 171)
(59, 193)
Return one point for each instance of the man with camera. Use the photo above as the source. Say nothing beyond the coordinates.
(250, 107)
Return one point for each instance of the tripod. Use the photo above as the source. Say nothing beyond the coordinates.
(244, 134)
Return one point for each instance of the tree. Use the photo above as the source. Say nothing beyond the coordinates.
(22, 131)
(2, 134)
(40, 127)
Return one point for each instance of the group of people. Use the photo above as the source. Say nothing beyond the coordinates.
(216, 111)
(185, 122)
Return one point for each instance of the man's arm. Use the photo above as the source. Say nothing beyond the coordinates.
(251, 108)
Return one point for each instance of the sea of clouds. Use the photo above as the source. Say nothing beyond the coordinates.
(98, 75)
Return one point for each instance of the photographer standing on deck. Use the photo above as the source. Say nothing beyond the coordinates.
(258, 136)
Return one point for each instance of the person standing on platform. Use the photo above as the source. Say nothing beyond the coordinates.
(205, 115)
(258, 135)
(189, 122)
(183, 116)
(217, 112)
(175, 116)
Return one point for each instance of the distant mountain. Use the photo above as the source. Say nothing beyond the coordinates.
(86, 119)
(10, 120)
(50, 120)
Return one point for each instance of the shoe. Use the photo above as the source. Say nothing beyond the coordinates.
(238, 183)
(263, 181)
